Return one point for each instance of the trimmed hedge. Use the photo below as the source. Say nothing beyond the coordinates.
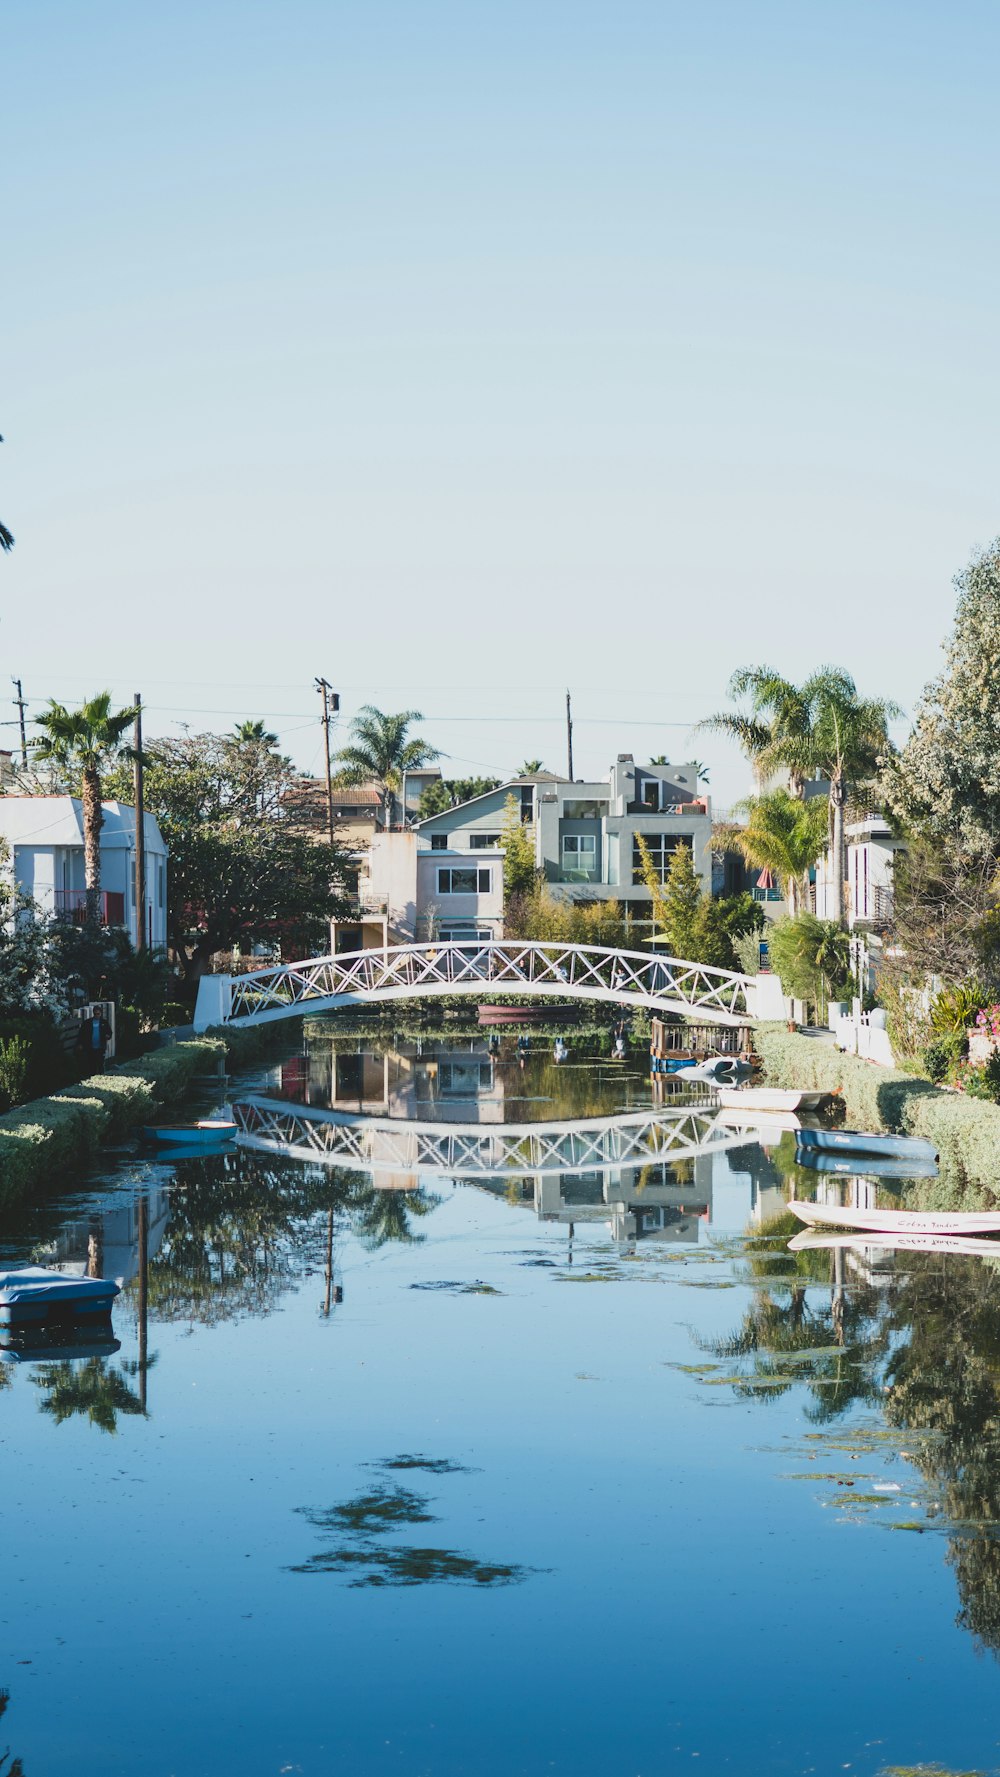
(965, 1131)
(59, 1134)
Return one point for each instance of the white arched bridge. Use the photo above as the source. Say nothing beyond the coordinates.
(663, 984)
(474, 1151)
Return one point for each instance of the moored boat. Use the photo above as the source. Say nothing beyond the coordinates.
(770, 1098)
(864, 1141)
(899, 1221)
(210, 1132)
(32, 1294)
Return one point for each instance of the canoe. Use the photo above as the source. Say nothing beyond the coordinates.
(208, 1133)
(865, 1141)
(898, 1221)
(816, 1240)
(769, 1098)
(31, 1293)
(870, 1165)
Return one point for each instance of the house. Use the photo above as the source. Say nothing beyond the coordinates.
(409, 891)
(44, 840)
(586, 832)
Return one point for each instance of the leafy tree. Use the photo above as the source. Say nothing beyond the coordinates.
(239, 868)
(812, 957)
(86, 741)
(679, 906)
(517, 842)
(784, 835)
(448, 792)
(381, 751)
(694, 926)
(91, 1389)
(945, 784)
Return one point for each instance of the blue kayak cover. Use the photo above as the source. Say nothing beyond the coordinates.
(33, 1284)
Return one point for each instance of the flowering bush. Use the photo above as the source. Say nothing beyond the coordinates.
(980, 1080)
(988, 1020)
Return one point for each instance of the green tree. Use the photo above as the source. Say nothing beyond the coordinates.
(812, 958)
(90, 1389)
(85, 741)
(6, 538)
(517, 842)
(776, 719)
(380, 751)
(530, 768)
(945, 784)
(679, 907)
(448, 792)
(783, 835)
(240, 869)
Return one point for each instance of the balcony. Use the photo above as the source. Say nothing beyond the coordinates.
(71, 904)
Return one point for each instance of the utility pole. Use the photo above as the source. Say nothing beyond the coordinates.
(140, 830)
(569, 737)
(19, 706)
(331, 704)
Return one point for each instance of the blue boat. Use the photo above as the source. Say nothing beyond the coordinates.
(871, 1165)
(210, 1132)
(32, 1295)
(864, 1141)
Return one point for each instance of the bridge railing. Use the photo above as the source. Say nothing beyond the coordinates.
(579, 971)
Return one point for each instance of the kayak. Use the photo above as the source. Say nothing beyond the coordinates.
(815, 1240)
(863, 1141)
(769, 1098)
(31, 1293)
(871, 1165)
(898, 1221)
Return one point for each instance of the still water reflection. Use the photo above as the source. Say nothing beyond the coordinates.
(473, 1415)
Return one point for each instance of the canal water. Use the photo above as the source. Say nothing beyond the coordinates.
(471, 1416)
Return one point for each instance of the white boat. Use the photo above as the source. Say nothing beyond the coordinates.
(866, 1141)
(817, 1240)
(769, 1098)
(898, 1221)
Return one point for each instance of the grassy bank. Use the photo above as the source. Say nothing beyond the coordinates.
(965, 1131)
(49, 1139)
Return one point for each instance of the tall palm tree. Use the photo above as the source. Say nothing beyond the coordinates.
(381, 750)
(530, 768)
(782, 835)
(847, 741)
(778, 716)
(255, 734)
(86, 740)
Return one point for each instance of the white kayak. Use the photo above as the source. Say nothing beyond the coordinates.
(769, 1098)
(816, 1240)
(866, 1141)
(898, 1221)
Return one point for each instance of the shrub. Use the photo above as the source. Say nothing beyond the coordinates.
(943, 1055)
(955, 1008)
(15, 1063)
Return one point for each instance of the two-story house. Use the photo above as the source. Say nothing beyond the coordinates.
(44, 840)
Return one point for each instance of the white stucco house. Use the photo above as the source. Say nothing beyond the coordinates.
(422, 894)
(43, 836)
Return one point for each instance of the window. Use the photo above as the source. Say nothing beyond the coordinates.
(439, 842)
(527, 803)
(579, 857)
(464, 934)
(584, 811)
(465, 882)
(661, 848)
(483, 841)
(651, 793)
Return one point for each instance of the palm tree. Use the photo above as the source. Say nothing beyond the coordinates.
(6, 537)
(255, 734)
(85, 741)
(784, 836)
(847, 741)
(778, 716)
(381, 750)
(530, 768)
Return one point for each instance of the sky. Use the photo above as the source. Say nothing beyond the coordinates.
(464, 353)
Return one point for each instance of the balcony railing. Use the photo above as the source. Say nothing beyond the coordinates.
(71, 904)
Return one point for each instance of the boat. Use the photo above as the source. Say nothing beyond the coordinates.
(817, 1240)
(209, 1132)
(871, 1166)
(769, 1098)
(863, 1141)
(898, 1221)
(31, 1293)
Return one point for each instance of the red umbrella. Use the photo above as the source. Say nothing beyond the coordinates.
(767, 879)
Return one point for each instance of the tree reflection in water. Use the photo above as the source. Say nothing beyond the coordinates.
(91, 1389)
(246, 1228)
(360, 1525)
(923, 1344)
(8, 1767)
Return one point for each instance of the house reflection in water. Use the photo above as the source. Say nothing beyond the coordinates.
(106, 1241)
(431, 1080)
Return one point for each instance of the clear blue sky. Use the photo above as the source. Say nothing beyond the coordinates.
(464, 352)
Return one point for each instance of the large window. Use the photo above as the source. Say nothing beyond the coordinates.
(579, 857)
(465, 882)
(527, 803)
(483, 841)
(661, 848)
(439, 841)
